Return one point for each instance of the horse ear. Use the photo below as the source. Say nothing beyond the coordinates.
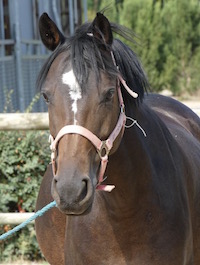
(101, 29)
(50, 34)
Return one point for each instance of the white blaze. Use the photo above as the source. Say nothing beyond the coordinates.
(74, 90)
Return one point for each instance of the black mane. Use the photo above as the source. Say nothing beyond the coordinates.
(86, 54)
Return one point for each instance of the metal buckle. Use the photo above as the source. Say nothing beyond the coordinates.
(104, 150)
(122, 109)
(53, 155)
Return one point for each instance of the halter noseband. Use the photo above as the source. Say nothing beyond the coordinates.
(103, 147)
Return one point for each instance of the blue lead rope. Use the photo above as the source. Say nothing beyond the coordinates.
(32, 218)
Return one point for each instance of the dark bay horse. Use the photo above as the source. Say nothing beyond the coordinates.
(93, 84)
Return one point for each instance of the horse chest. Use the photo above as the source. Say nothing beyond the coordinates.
(92, 239)
(96, 239)
(103, 247)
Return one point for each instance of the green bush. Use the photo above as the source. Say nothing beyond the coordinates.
(24, 157)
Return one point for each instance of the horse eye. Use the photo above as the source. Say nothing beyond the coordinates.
(45, 97)
(109, 95)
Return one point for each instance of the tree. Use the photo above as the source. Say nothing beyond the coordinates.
(168, 39)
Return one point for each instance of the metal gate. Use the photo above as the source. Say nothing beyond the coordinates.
(22, 53)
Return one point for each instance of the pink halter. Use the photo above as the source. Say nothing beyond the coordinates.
(103, 147)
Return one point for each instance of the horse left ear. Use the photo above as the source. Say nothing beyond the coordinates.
(50, 34)
(101, 29)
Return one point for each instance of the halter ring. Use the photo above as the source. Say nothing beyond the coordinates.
(104, 150)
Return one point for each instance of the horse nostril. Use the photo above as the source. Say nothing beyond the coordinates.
(83, 190)
(85, 181)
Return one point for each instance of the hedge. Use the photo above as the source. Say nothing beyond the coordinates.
(24, 157)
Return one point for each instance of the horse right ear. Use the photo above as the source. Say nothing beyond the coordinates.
(101, 29)
(49, 32)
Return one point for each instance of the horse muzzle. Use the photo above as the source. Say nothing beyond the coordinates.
(73, 194)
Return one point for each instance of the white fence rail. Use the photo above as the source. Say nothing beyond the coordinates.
(14, 218)
(24, 121)
(34, 121)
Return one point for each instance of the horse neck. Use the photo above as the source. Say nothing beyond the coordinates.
(130, 168)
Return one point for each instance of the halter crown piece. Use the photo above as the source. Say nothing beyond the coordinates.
(103, 147)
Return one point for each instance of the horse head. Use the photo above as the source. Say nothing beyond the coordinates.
(80, 84)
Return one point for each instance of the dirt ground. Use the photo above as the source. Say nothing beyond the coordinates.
(192, 101)
(193, 104)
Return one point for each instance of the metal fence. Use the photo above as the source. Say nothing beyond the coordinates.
(18, 74)
(22, 54)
